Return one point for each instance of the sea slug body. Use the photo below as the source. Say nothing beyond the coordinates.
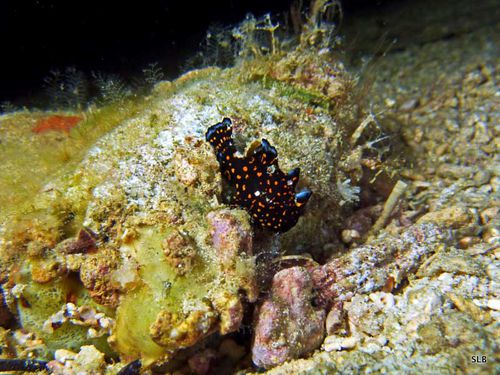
(261, 187)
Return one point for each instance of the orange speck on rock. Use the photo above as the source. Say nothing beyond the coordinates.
(57, 123)
(389, 285)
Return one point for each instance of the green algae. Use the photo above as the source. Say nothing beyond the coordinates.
(31, 160)
(160, 287)
(41, 301)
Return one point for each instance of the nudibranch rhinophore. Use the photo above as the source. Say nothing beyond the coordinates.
(262, 188)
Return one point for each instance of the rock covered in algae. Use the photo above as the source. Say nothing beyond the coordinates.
(133, 223)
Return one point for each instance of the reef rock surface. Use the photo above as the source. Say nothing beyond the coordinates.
(133, 224)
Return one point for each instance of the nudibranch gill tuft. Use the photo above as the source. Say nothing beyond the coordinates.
(261, 187)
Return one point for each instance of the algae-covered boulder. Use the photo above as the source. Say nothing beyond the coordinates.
(133, 222)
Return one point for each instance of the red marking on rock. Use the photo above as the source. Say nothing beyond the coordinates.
(56, 123)
(84, 243)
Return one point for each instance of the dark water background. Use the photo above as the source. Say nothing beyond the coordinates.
(111, 36)
(123, 38)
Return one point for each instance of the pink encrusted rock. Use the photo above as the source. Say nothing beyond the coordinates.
(231, 234)
(369, 268)
(287, 325)
(230, 312)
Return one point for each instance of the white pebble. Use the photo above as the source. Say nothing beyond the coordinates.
(92, 333)
(494, 304)
(382, 340)
(332, 343)
(63, 355)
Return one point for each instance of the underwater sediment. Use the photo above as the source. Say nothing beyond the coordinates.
(123, 243)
